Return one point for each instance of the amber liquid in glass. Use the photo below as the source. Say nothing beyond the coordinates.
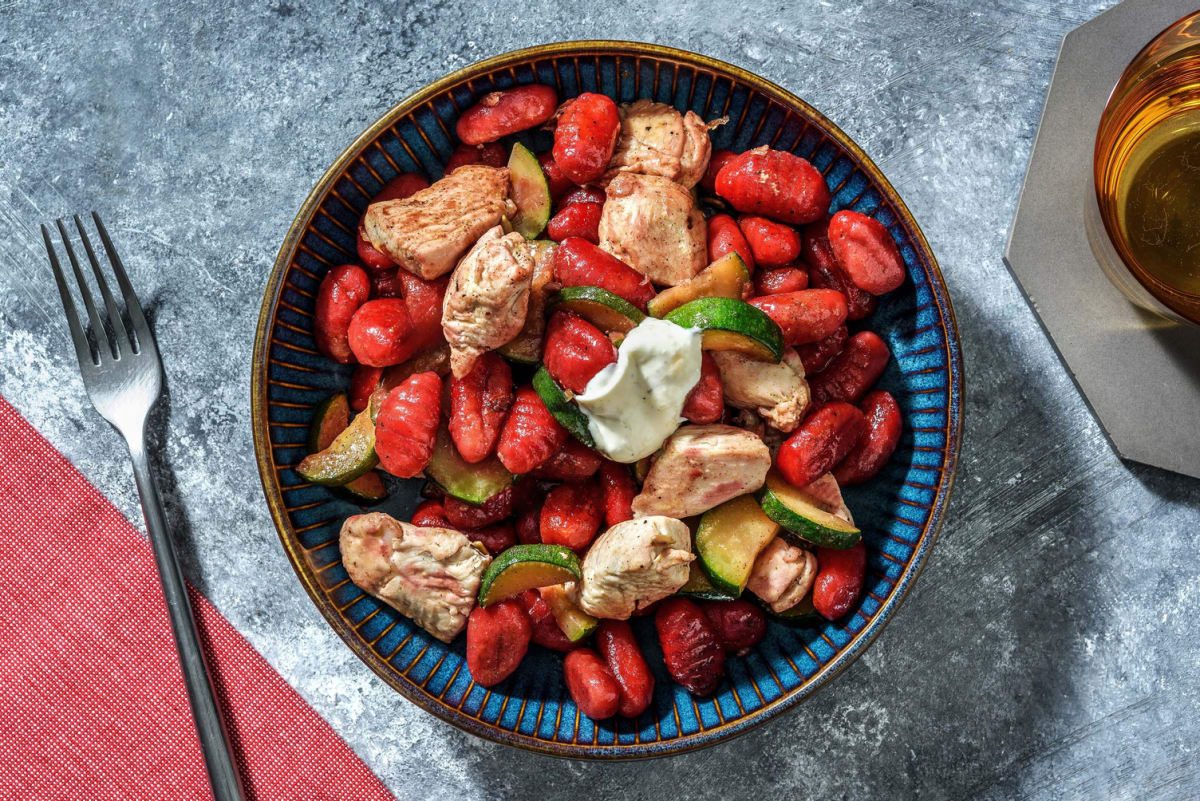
(1148, 183)
(1160, 203)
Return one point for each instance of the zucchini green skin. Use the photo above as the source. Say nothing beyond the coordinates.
(573, 621)
(473, 483)
(349, 456)
(607, 311)
(803, 520)
(565, 411)
(331, 418)
(726, 277)
(729, 539)
(700, 587)
(530, 192)
(365, 490)
(554, 563)
(732, 324)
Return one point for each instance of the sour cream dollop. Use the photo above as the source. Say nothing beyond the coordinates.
(633, 405)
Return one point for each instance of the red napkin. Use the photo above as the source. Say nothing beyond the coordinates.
(92, 702)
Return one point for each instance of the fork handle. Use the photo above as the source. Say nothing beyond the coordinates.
(210, 728)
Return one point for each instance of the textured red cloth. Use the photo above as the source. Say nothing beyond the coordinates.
(92, 702)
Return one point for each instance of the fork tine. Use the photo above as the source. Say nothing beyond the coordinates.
(145, 338)
(83, 351)
(97, 323)
(114, 313)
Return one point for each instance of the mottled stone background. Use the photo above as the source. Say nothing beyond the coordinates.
(1049, 649)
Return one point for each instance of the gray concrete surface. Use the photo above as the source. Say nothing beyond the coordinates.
(1049, 649)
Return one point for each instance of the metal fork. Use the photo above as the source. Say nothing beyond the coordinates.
(123, 378)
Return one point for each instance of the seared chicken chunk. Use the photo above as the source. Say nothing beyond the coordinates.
(778, 392)
(488, 297)
(652, 224)
(656, 139)
(429, 574)
(700, 467)
(782, 574)
(427, 233)
(634, 564)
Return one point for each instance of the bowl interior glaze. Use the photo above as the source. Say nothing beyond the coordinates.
(900, 512)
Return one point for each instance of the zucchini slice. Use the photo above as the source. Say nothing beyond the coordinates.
(527, 567)
(525, 349)
(730, 537)
(473, 483)
(329, 420)
(574, 622)
(350, 455)
(530, 192)
(607, 311)
(699, 586)
(802, 518)
(724, 278)
(731, 324)
(564, 410)
(366, 489)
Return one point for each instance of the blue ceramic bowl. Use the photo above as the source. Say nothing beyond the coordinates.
(900, 512)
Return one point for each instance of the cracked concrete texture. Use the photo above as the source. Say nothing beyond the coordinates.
(1048, 650)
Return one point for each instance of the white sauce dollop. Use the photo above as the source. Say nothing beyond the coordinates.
(633, 405)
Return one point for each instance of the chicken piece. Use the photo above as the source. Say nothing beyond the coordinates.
(429, 232)
(429, 574)
(826, 495)
(778, 392)
(701, 467)
(656, 139)
(652, 224)
(782, 574)
(488, 297)
(634, 564)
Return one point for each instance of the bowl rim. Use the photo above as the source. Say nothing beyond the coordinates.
(264, 457)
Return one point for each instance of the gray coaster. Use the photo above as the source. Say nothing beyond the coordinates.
(1139, 373)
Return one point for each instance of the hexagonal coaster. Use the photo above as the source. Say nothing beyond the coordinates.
(1139, 373)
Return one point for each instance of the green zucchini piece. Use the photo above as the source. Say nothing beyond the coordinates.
(330, 419)
(731, 324)
(525, 349)
(350, 455)
(725, 278)
(366, 489)
(530, 192)
(574, 622)
(700, 586)
(564, 410)
(607, 311)
(527, 567)
(728, 540)
(802, 518)
(473, 483)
